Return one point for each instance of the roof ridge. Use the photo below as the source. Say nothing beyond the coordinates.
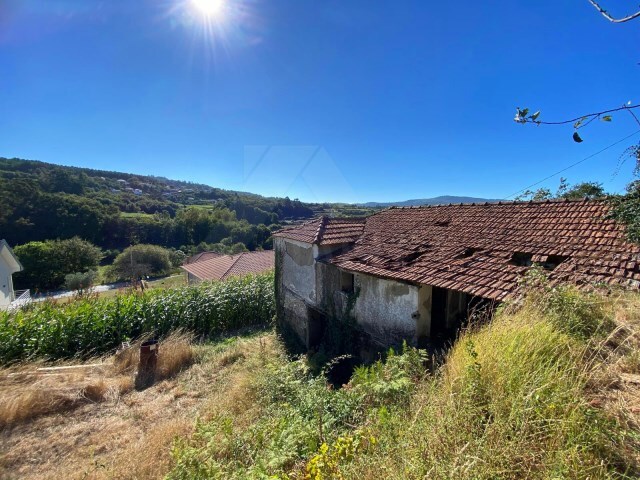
(321, 228)
(238, 256)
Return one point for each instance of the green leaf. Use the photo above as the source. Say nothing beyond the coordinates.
(606, 118)
(576, 137)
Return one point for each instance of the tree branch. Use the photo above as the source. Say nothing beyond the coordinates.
(591, 116)
(606, 15)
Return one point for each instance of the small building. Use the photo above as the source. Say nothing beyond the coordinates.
(9, 264)
(222, 267)
(198, 257)
(415, 274)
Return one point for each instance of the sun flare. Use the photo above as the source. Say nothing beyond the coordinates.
(209, 8)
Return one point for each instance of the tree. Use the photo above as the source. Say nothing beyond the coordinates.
(78, 255)
(47, 263)
(609, 17)
(626, 208)
(80, 281)
(142, 260)
(565, 191)
(581, 190)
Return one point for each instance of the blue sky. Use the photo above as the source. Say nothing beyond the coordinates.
(321, 100)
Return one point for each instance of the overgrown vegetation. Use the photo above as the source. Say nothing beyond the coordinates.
(46, 264)
(141, 260)
(114, 210)
(520, 397)
(91, 326)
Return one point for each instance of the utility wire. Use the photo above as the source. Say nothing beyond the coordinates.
(573, 165)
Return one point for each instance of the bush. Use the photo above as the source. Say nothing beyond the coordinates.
(580, 314)
(92, 326)
(510, 402)
(513, 400)
(80, 281)
(47, 263)
(301, 420)
(142, 260)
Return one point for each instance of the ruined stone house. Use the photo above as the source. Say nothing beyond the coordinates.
(414, 273)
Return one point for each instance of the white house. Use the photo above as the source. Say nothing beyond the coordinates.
(9, 265)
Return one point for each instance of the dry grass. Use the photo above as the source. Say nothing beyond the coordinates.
(129, 435)
(28, 392)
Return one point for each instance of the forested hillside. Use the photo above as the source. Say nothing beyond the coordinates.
(113, 210)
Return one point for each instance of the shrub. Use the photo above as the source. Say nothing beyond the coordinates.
(47, 263)
(513, 400)
(80, 281)
(580, 314)
(93, 325)
(510, 402)
(304, 426)
(141, 260)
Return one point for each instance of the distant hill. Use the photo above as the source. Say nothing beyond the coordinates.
(42, 201)
(444, 199)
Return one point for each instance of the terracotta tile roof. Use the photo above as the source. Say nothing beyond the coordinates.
(198, 257)
(479, 249)
(325, 231)
(252, 262)
(226, 266)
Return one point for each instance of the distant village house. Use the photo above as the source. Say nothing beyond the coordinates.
(214, 266)
(414, 273)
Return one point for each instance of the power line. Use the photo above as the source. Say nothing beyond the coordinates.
(573, 165)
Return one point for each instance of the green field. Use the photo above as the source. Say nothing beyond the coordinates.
(90, 326)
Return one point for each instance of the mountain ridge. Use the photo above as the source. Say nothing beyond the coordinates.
(439, 200)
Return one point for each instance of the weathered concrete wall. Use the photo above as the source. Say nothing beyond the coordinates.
(309, 292)
(296, 290)
(328, 289)
(387, 311)
(298, 267)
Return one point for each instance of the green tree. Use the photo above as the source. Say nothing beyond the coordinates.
(47, 263)
(77, 255)
(80, 281)
(565, 191)
(141, 260)
(39, 272)
(581, 190)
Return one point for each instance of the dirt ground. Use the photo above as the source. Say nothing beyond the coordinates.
(128, 435)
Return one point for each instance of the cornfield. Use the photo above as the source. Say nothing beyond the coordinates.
(94, 326)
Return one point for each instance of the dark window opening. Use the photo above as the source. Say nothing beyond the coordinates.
(438, 312)
(442, 223)
(521, 259)
(347, 282)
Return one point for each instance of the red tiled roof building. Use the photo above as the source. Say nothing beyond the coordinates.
(222, 267)
(440, 259)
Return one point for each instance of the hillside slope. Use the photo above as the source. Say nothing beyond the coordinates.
(441, 200)
(113, 209)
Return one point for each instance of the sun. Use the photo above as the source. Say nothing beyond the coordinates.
(209, 8)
